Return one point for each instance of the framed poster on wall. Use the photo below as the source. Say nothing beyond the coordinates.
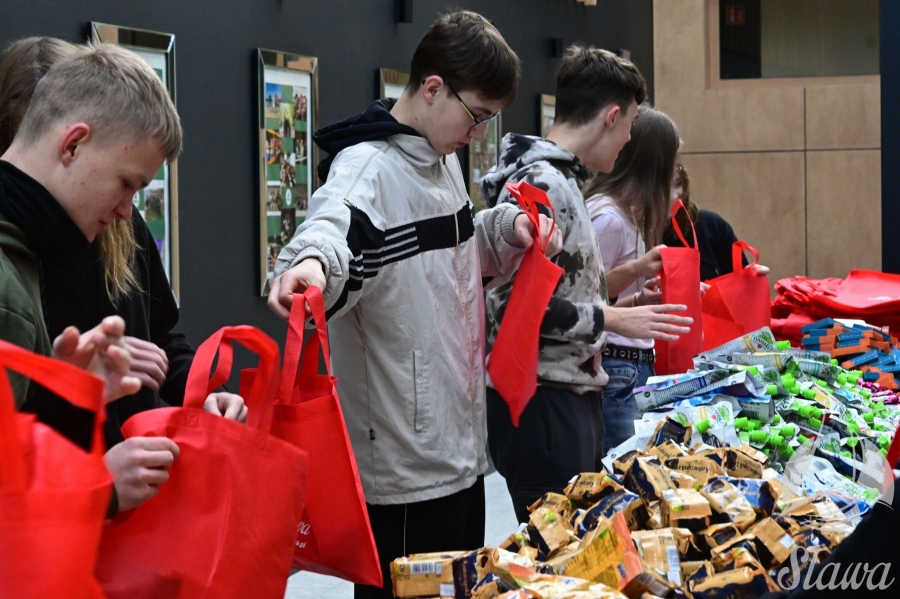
(483, 154)
(158, 202)
(392, 83)
(547, 113)
(288, 103)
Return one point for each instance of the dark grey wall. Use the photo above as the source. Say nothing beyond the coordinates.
(215, 42)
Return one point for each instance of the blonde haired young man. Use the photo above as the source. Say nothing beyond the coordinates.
(99, 126)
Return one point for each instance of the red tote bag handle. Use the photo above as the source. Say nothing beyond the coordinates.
(675, 208)
(293, 345)
(261, 398)
(737, 255)
(79, 387)
(529, 197)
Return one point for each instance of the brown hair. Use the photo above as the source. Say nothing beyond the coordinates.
(641, 181)
(469, 53)
(684, 218)
(589, 79)
(22, 65)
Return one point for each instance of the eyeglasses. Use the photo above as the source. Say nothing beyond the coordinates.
(478, 120)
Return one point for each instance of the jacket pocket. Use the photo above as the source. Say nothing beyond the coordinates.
(422, 416)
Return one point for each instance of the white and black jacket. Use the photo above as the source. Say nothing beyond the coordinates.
(404, 259)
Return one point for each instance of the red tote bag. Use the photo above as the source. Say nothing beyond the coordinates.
(334, 537)
(736, 303)
(53, 495)
(223, 526)
(680, 282)
(514, 357)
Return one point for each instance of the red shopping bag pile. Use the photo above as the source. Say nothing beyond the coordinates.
(865, 295)
(680, 282)
(736, 303)
(334, 536)
(53, 495)
(514, 357)
(224, 524)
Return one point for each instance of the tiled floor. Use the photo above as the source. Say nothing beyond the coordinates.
(500, 523)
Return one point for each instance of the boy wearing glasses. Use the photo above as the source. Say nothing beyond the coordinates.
(392, 241)
(560, 433)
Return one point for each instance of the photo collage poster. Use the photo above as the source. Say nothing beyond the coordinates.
(483, 155)
(288, 167)
(154, 201)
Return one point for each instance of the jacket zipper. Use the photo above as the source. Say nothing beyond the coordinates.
(356, 180)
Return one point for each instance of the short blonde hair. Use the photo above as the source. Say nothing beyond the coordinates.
(111, 89)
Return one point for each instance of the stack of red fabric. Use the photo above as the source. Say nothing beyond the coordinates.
(865, 295)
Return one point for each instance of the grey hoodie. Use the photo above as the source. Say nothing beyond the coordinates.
(572, 336)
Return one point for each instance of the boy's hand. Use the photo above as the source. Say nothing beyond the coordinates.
(149, 362)
(227, 405)
(138, 466)
(295, 280)
(650, 264)
(102, 352)
(651, 293)
(550, 234)
(761, 270)
(647, 322)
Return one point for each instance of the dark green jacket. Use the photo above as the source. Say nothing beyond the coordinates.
(21, 315)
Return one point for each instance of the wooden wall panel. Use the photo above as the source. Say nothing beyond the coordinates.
(844, 211)
(751, 148)
(762, 196)
(843, 117)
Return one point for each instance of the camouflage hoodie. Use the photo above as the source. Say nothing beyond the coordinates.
(572, 334)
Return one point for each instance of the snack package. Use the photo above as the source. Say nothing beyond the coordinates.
(659, 553)
(700, 468)
(667, 451)
(682, 480)
(548, 531)
(758, 492)
(556, 502)
(419, 575)
(728, 503)
(761, 340)
(468, 569)
(739, 553)
(589, 487)
(492, 587)
(610, 557)
(669, 431)
(742, 582)
(774, 545)
(684, 508)
(499, 562)
(648, 478)
(625, 502)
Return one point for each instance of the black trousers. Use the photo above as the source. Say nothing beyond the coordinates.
(560, 434)
(452, 523)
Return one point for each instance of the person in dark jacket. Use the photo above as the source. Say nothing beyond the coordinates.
(714, 235)
(87, 272)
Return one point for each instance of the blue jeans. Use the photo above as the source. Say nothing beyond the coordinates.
(617, 399)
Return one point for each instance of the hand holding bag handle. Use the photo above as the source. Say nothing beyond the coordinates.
(79, 387)
(261, 397)
(675, 208)
(737, 255)
(293, 346)
(529, 202)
